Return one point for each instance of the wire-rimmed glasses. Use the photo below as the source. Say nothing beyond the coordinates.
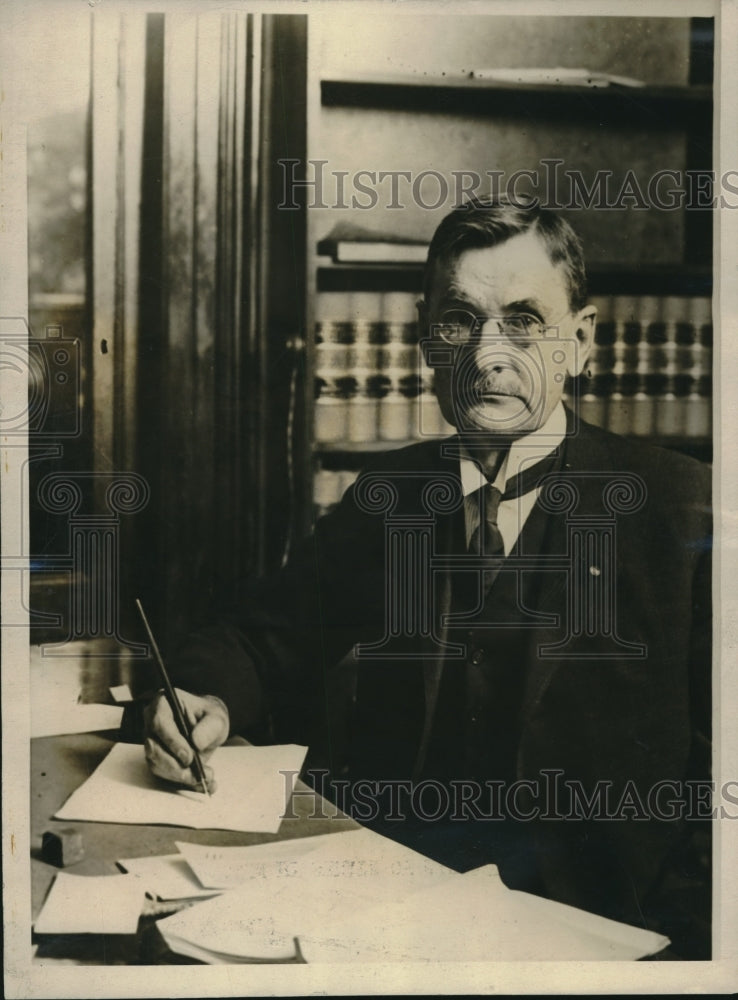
(459, 327)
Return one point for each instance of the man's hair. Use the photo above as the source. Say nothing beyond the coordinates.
(486, 222)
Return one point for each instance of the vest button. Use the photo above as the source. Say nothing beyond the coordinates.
(477, 657)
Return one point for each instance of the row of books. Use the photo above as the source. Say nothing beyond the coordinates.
(371, 383)
(640, 414)
(383, 319)
(649, 372)
(678, 407)
(396, 407)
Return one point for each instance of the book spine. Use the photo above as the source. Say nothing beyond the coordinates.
(619, 403)
(399, 367)
(643, 412)
(592, 399)
(668, 406)
(395, 409)
(332, 336)
(431, 422)
(334, 386)
(363, 410)
(366, 337)
(699, 401)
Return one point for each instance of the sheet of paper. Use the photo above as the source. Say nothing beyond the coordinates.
(121, 693)
(252, 792)
(50, 719)
(343, 876)
(55, 710)
(350, 854)
(87, 904)
(475, 918)
(228, 867)
(167, 876)
(619, 940)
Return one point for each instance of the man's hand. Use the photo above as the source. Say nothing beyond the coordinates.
(168, 754)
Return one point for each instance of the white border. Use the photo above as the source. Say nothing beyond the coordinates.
(720, 975)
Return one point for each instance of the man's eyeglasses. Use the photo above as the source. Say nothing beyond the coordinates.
(459, 327)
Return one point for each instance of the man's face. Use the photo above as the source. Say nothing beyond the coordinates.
(498, 385)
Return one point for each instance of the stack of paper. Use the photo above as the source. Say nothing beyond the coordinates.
(475, 918)
(254, 787)
(358, 897)
(352, 896)
(295, 895)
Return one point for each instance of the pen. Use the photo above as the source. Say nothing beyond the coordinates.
(174, 704)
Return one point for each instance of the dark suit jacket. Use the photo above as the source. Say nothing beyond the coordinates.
(625, 703)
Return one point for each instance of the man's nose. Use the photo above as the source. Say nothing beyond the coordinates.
(492, 352)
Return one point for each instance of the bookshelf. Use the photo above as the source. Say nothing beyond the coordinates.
(649, 375)
(646, 106)
(646, 280)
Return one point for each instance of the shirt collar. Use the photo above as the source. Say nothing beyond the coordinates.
(524, 452)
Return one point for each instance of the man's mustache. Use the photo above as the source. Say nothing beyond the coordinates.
(497, 384)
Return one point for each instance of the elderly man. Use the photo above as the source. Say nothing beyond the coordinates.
(528, 603)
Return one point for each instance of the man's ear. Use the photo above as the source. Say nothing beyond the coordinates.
(584, 330)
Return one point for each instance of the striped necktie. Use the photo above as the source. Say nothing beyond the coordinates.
(486, 539)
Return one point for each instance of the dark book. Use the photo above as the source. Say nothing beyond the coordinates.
(348, 243)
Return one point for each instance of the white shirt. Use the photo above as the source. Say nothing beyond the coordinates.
(523, 453)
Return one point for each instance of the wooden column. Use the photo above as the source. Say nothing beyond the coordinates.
(117, 108)
(216, 313)
(115, 159)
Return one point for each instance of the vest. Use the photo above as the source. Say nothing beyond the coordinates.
(477, 726)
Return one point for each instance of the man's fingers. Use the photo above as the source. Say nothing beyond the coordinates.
(168, 752)
(209, 732)
(162, 726)
(164, 765)
(209, 780)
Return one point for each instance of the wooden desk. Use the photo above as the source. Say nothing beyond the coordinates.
(59, 764)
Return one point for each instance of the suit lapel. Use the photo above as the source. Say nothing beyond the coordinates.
(449, 530)
(580, 455)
